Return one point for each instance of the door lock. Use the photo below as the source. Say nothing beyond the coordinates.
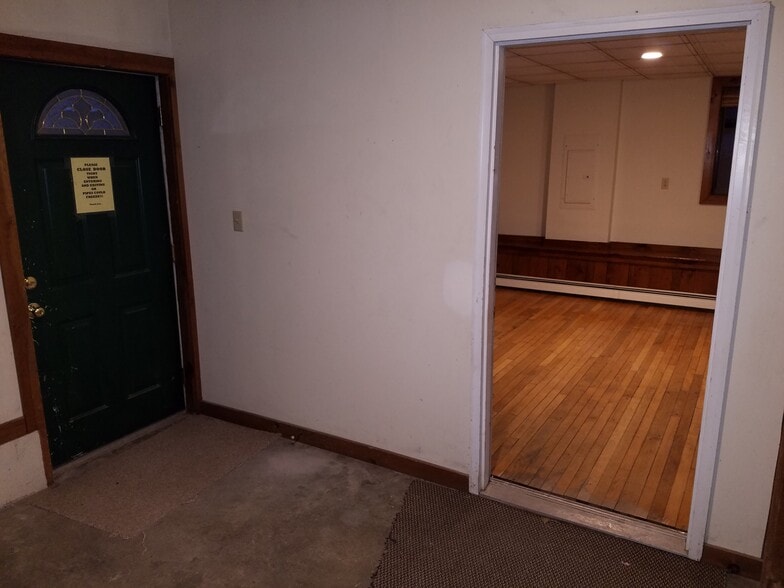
(30, 283)
(35, 310)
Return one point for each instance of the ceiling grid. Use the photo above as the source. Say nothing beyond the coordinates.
(713, 53)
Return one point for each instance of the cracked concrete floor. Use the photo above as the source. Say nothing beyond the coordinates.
(288, 515)
(271, 513)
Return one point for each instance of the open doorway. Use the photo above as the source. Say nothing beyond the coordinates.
(603, 160)
(754, 20)
(600, 401)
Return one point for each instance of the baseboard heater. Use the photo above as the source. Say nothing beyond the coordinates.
(664, 297)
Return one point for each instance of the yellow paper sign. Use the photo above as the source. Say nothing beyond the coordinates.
(92, 183)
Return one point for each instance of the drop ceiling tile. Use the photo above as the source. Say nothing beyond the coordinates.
(518, 61)
(536, 50)
(585, 70)
(557, 59)
(726, 58)
(719, 35)
(528, 70)
(646, 68)
(638, 41)
(719, 52)
(611, 75)
(674, 76)
(681, 71)
(607, 66)
(552, 78)
(726, 70)
(635, 52)
(664, 62)
(710, 47)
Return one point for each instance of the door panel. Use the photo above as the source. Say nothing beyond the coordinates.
(108, 346)
(130, 237)
(64, 236)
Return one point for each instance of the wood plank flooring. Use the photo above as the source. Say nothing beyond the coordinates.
(599, 400)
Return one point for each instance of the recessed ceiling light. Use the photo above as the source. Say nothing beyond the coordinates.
(651, 55)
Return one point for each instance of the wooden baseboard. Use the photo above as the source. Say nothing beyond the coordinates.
(737, 563)
(678, 299)
(732, 561)
(366, 453)
(633, 265)
(11, 430)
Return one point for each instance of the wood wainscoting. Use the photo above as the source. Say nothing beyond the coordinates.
(633, 265)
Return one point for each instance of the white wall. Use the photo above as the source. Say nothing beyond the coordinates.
(137, 25)
(348, 132)
(755, 403)
(21, 468)
(128, 25)
(351, 325)
(662, 135)
(10, 402)
(525, 153)
(585, 119)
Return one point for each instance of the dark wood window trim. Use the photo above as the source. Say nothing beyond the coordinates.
(724, 92)
(13, 46)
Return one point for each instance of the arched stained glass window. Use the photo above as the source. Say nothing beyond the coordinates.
(81, 112)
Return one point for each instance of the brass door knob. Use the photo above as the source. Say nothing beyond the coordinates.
(35, 310)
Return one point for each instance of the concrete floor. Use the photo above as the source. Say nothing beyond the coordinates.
(289, 515)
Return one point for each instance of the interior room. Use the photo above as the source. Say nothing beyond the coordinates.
(604, 191)
(319, 231)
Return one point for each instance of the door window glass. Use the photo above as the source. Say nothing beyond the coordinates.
(81, 112)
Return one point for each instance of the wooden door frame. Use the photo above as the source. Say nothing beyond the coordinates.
(773, 551)
(756, 18)
(55, 52)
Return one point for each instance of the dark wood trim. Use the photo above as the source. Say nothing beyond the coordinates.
(13, 46)
(366, 453)
(633, 265)
(18, 321)
(711, 138)
(732, 561)
(773, 551)
(15, 295)
(181, 242)
(42, 50)
(12, 430)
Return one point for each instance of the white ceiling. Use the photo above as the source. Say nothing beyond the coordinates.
(714, 52)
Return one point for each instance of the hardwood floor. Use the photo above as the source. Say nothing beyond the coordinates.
(599, 400)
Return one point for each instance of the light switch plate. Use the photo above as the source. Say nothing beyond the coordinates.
(236, 217)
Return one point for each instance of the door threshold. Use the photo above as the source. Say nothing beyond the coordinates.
(584, 515)
(68, 469)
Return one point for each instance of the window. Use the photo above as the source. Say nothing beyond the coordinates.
(80, 112)
(719, 140)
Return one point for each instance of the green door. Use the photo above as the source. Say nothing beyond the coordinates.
(86, 170)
